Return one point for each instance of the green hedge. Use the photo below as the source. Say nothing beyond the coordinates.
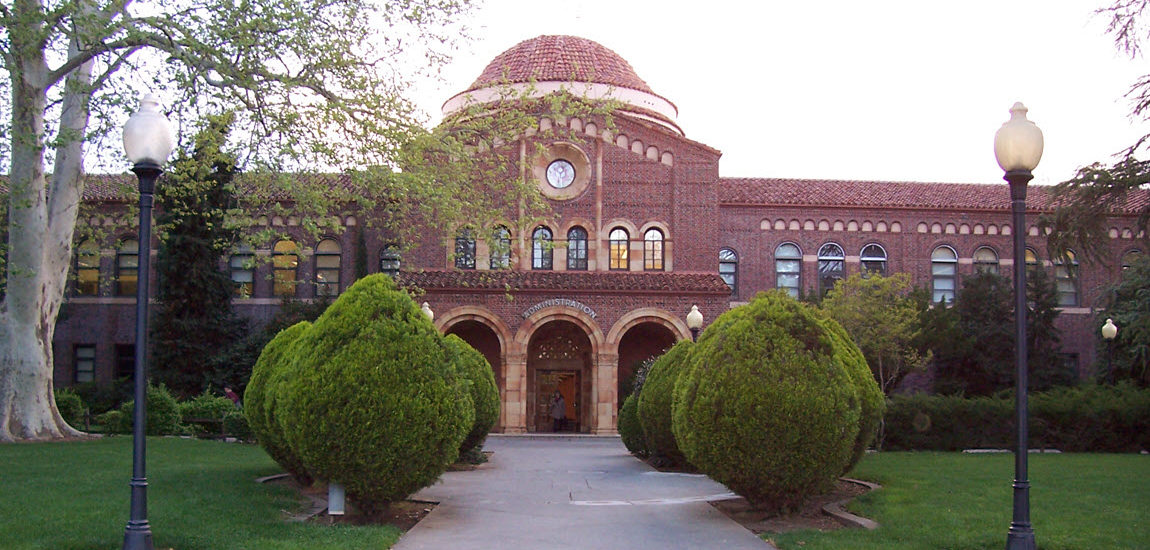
(654, 407)
(766, 405)
(1090, 418)
(162, 415)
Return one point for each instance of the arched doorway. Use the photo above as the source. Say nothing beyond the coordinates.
(559, 359)
(483, 339)
(640, 343)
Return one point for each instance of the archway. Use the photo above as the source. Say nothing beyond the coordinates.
(640, 343)
(559, 359)
(483, 339)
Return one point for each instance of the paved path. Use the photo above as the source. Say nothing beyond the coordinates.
(583, 493)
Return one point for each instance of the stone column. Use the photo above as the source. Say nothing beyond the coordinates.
(605, 393)
(513, 416)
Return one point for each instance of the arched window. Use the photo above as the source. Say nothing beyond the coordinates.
(127, 267)
(241, 264)
(788, 268)
(1032, 262)
(577, 249)
(285, 266)
(873, 259)
(729, 268)
(618, 242)
(986, 260)
(1066, 280)
(465, 249)
(542, 254)
(1129, 258)
(500, 248)
(830, 266)
(327, 268)
(653, 250)
(943, 274)
(389, 260)
(87, 269)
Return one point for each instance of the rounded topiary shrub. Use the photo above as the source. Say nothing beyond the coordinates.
(871, 398)
(374, 402)
(655, 402)
(474, 367)
(269, 376)
(765, 405)
(630, 431)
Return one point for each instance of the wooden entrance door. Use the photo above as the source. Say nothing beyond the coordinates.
(550, 377)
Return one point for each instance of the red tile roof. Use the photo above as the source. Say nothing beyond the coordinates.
(562, 59)
(573, 281)
(887, 194)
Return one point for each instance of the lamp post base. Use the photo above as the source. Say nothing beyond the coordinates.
(138, 537)
(1020, 540)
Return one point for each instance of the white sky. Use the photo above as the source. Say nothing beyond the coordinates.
(879, 90)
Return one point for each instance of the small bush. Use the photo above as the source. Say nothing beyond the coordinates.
(270, 376)
(374, 402)
(162, 416)
(766, 405)
(206, 406)
(630, 431)
(71, 407)
(473, 366)
(654, 403)
(114, 422)
(101, 397)
(236, 425)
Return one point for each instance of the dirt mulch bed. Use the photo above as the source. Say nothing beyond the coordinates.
(811, 516)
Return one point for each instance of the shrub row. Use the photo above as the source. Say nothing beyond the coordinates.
(1091, 418)
(164, 416)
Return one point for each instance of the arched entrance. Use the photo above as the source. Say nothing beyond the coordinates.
(559, 359)
(483, 339)
(640, 343)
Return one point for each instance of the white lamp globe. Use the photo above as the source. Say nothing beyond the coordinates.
(148, 134)
(1018, 143)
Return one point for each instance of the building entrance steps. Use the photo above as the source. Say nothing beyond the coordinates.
(573, 492)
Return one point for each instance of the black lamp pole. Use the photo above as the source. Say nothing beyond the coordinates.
(1021, 536)
(138, 534)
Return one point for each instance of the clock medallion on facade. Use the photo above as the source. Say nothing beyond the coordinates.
(560, 173)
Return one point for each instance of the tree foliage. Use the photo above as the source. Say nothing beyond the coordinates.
(1128, 304)
(882, 318)
(194, 323)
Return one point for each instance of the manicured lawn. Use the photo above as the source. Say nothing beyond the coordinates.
(956, 501)
(201, 495)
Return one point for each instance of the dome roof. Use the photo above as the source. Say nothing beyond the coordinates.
(560, 59)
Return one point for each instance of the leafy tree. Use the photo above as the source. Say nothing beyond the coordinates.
(1128, 304)
(973, 342)
(882, 319)
(194, 322)
(317, 83)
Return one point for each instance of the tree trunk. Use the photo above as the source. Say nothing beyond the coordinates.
(41, 223)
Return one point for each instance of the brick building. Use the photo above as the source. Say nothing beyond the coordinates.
(641, 228)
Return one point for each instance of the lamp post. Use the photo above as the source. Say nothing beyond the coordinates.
(147, 142)
(1109, 332)
(1018, 148)
(694, 322)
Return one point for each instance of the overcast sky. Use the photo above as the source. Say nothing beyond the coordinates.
(880, 90)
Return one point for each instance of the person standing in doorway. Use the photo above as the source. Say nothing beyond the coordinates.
(558, 412)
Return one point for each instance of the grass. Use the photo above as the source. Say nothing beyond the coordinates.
(201, 495)
(957, 501)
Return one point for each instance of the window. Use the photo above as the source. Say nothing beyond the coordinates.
(1066, 280)
(788, 268)
(618, 242)
(986, 260)
(242, 267)
(873, 259)
(327, 268)
(127, 268)
(729, 268)
(87, 269)
(542, 253)
(1130, 258)
(465, 250)
(84, 362)
(285, 263)
(577, 249)
(125, 360)
(500, 248)
(830, 266)
(1031, 259)
(943, 273)
(389, 260)
(653, 250)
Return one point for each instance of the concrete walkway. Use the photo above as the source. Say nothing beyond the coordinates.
(575, 492)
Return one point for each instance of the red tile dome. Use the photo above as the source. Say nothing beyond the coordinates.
(560, 59)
